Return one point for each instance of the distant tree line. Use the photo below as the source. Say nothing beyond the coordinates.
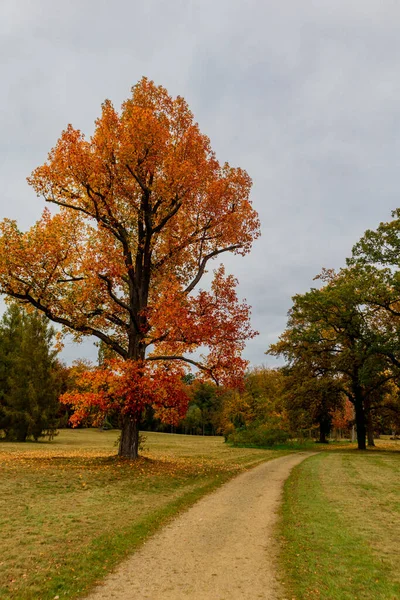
(342, 351)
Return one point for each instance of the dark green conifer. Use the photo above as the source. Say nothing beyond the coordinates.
(29, 385)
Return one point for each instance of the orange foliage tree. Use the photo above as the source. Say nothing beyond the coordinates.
(343, 417)
(142, 207)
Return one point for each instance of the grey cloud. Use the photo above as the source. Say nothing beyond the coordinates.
(304, 95)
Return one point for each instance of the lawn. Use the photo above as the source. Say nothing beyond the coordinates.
(340, 526)
(69, 510)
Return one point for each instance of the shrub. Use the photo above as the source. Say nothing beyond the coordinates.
(262, 436)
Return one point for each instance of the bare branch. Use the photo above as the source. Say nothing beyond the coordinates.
(182, 359)
(203, 264)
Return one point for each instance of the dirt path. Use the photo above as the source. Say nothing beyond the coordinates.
(220, 549)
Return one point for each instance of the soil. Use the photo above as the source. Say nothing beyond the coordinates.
(223, 548)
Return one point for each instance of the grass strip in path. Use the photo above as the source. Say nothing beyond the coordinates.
(340, 527)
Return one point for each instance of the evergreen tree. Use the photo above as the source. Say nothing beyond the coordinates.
(29, 382)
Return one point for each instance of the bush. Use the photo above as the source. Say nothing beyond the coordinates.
(262, 436)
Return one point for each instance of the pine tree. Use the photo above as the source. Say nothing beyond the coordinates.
(29, 386)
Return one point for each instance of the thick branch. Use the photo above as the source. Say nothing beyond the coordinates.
(379, 384)
(137, 179)
(386, 306)
(161, 338)
(70, 280)
(176, 206)
(203, 265)
(112, 295)
(182, 359)
(120, 302)
(85, 329)
(391, 357)
(116, 321)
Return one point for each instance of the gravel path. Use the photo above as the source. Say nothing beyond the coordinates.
(220, 549)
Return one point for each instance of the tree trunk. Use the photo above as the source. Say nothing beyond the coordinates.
(322, 432)
(360, 420)
(370, 424)
(19, 432)
(129, 442)
(370, 431)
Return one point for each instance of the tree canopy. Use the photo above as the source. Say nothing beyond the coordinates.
(336, 332)
(143, 206)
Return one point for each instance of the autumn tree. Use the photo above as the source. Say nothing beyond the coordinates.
(378, 251)
(311, 398)
(255, 414)
(69, 378)
(333, 331)
(264, 388)
(380, 246)
(388, 418)
(376, 257)
(143, 206)
(343, 418)
(29, 383)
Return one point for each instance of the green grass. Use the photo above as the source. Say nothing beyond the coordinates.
(382, 445)
(70, 510)
(340, 527)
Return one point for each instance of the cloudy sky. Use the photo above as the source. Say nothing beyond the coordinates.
(305, 95)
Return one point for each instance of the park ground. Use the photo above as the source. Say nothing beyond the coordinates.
(70, 511)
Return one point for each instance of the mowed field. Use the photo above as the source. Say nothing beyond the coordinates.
(69, 510)
(340, 526)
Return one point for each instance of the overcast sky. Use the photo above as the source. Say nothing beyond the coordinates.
(305, 95)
